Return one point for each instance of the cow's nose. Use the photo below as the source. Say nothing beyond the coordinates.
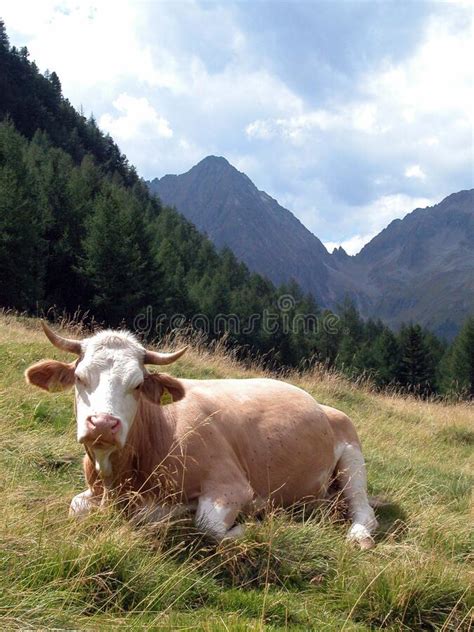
(101, 428)
(103, 422)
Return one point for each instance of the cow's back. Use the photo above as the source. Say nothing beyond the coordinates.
(274, 432)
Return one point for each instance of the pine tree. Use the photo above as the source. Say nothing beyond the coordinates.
(54, 79)
(386, 358)
(351, 322)
(51, 170)
(174, 293)
(22, 262)
(4, 41)
(119, 263)
(328, 338)
(346, 354)
(462, 359)
(416, 372)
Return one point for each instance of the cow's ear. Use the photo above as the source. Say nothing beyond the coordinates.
(51, 375)
(156, 383)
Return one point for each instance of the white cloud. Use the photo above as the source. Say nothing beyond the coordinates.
(415, 171)
(260, 129)
(238, 91)
(293, 127)
(386, 208)
(437, 79)
(433, 87)
(430, 141)
(364, 118)
(137, 119)
(92, 46)
(376, 216)
(360, 117)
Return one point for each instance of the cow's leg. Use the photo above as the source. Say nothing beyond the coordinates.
(83, 503)
(153, 512)
(218, 510)
(353, 478)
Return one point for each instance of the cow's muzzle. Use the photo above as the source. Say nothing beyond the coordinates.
(101, 429)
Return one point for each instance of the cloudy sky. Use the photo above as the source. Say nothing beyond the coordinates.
(349, 112)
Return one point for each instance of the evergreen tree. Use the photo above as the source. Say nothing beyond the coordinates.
(328, 338)
(4, 42)
(346, 354)
(51, 171)
(416, 372)
(386, 358)
(373, 330)
(174, 294)
(22, 248)
(54, 79)
(118, 262)
(351, 322)
(462, 359)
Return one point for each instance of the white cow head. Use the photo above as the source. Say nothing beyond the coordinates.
(109, 378)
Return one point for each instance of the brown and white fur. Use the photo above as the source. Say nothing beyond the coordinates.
(221, 447)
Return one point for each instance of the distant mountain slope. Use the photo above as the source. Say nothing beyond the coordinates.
(226, 205)
(419, 268)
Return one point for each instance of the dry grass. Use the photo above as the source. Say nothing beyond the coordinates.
(289, 572)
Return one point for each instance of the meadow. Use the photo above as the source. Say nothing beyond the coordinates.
(289, 572)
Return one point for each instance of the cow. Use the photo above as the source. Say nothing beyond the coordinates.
(218, 449)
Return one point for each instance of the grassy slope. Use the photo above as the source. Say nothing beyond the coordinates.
(285, 574)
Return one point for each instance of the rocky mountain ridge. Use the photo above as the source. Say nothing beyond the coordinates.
(418, 268)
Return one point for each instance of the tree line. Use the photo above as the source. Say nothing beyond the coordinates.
(78, 228)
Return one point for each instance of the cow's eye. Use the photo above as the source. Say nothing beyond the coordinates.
(79, 380)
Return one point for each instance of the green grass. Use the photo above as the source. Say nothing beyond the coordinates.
(291, 572)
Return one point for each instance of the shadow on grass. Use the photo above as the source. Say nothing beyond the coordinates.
(392, 520)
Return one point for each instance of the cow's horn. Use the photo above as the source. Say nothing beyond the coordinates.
(66, 344)
(154, 357)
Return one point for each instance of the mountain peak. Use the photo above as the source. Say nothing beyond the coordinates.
(340, 253)
(208, 166)
(214, 164)
(214, 160)
(418, 222)
(225, 204)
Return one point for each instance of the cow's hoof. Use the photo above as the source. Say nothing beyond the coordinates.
(235, 532)
(366, 543)
(360, 535)
(81, 505)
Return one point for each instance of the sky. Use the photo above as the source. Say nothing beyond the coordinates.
(350, 113)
